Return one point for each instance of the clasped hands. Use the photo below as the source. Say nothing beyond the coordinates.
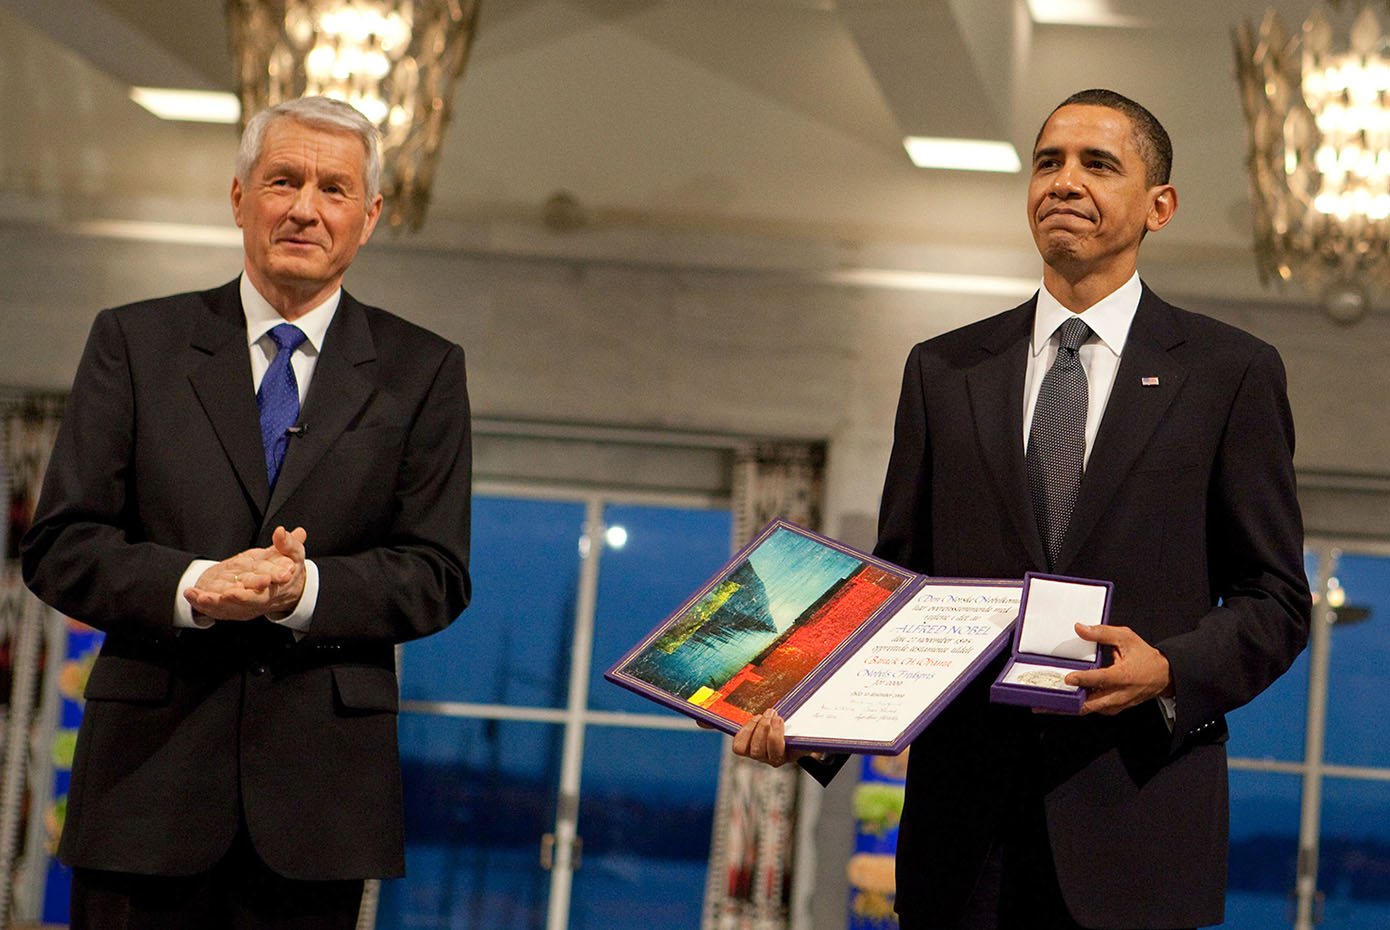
(254, 583)
(1139, 673)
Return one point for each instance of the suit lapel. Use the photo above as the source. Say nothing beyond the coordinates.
(337, 393)
(221, 379)
(995, 386)
(1146, 382)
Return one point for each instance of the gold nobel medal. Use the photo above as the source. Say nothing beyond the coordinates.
(1042, 678)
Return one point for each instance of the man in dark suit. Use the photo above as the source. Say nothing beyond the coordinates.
(1184, 498)
(237, 762)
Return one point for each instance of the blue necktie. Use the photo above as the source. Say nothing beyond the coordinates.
(278, 398)
(1057, 439)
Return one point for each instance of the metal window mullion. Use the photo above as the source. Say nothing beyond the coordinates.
(1315, 732)
(592, 718)
(551, 491)
(572, 760)
(1329, 770)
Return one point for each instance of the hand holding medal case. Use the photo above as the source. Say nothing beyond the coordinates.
(1046, 646)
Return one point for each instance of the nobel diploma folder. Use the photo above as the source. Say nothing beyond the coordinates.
(855, 653)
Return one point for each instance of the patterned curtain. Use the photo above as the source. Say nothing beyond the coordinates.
(28, 426)
(27, 430)
(749, 882)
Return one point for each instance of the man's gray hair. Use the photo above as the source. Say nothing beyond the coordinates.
(321, 113)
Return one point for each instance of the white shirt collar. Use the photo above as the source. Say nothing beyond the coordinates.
(1109, 318)
(261, 317)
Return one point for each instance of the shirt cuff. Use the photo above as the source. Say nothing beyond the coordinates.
(1169, 706)
(183, 611)
(299, 619)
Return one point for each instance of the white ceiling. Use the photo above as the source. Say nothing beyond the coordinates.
(752, 120)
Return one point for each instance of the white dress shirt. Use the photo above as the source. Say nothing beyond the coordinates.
(1109, 320)
(261, 317)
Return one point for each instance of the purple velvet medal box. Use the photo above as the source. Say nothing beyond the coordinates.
(1046, 646)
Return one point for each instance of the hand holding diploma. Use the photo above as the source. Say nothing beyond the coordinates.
(862, 655)
(763, 739)
(254, 583)
(1139, 673)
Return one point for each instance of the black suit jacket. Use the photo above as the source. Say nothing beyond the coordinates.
(159, 461)
(1188, 505)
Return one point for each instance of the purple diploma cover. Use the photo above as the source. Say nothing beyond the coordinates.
(855, 653)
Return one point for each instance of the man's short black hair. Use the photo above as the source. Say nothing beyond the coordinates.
(1149, 135)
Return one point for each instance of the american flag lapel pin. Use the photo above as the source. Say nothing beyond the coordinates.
(1149, 381)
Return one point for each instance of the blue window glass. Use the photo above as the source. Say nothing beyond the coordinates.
(479, 795)
(512, 644)
(1359, 672)
(1354, 854)
(646, 815)
(1264, 848)
(1354, 848)
(1271, 726)
(664, 557)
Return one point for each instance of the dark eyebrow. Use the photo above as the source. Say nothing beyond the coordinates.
(1102, 154)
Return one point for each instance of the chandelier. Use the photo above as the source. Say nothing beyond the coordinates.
(396, 61)
(1318, 123)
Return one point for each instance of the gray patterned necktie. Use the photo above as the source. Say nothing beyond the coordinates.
(1057, 439)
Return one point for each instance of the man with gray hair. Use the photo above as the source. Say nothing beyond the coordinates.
(258, 490)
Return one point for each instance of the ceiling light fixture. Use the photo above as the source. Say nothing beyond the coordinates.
(1318, 124)
(197, 106)
(934, 281)
(962, 154)
(396, 61)
(1078, 13)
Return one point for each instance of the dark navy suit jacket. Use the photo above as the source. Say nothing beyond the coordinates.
(159, 461)
(1188, 505)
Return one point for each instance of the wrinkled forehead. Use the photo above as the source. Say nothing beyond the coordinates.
(289, 132)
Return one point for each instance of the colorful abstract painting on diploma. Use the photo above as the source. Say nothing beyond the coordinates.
(761, 627)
